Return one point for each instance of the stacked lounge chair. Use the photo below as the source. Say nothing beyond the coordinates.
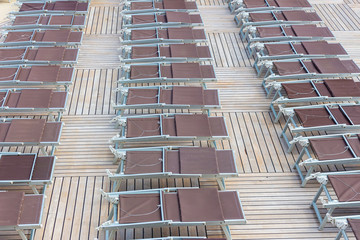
(161, 46)
(37, 53)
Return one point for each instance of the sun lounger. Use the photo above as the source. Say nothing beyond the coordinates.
(312, 91)
(166, 73)
(30, 132)
(166, 19)
(161, 53)
(245, 20)
(162, 35)
(338, 117)
(309, 69)
(45, 21)
(36, 76)
(346, 188)
(33, 101)
(267, 5)
(38, 55)
(21, 212)
(173, 162)
(173, 208)
(62, 37)
(327, 150)
(167, 97)
(26, 169)
(170, 127)
(148, 6)
(295, 50)
(343, 222)
(52, 7)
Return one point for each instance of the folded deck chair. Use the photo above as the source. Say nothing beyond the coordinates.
(295, 50)
(343, 223)
(170, 53)
(267, 5)
(170, 127)
(173, 208)
(309, 68)
(26, 169)
(36, 75)
(167, 97)
(166, 19)
(61, 37)
(38, 55)
(312, 91)
(338, 117)
(164, 73)
(21, 212)
(39, 7)
(245, 20)
(30, 101)
(173, 162)
(346, 187)
(160, 35)
(30, 132)
(327, 150)
(147, 6)
(45, 21)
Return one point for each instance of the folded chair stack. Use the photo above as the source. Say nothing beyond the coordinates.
(37, 54)
(161, 44)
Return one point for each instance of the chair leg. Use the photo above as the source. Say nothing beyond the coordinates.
(226, 230)
(22, 234)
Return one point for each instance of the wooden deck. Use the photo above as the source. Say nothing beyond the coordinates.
(275, 205)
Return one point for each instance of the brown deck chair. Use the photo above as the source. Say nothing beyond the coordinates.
(293, 31)
(151, 6)
(21, 212)
(51, 7)
(297, 15)
(276, 3)
(26, 169)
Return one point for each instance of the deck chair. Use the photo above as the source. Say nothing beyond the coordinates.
(325, 117)
(26, 169)
(55, 7)
(166, 73)
(295, 50)
(245, 20)
(165, 53)
(162, 35)
(328, 150)
(173, 162)
(238, 6)
(38, 55)
(44, 21)
(170, 127)
(173, 208)
(148, 6)
(343, 222)
(33, 101)
(36, 76)
(21, 212)
(166, 19)
(61, 37)
(167, 97)
(346, 188)
(30, 132)
(312, 91)
(309, 68)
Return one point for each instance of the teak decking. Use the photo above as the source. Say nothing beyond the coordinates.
(274, 203)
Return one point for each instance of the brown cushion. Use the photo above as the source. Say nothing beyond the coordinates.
(293, 3)
(144, 52)
(16, 167)
(343, 88)
(192, 125)
(18, 36)
(186, 70)
(11, 54)
(32, 209)
(330, 148)
(141, 127)
(198, 160)
(61, 20)
(143, 162)
(184, 50)
(142, 96)
(279, 49)
(289, 68)
(145, 71)
(35, 98)
(10, 208)
(353, 112)
(140, 19)
(346, 187)
(188, 95)
(355, 227)
(299, 90)
(25, 130)
(314, 117)
(180, 17)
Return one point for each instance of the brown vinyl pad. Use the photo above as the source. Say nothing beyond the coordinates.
(346, 187)
(269, 32)
(25, 130)
(31, 7)
(186, 70)
(144, 52)
(301, 16)
(145, 71)
(261, 17)
(355, 227)
(181, 33)
(198, 160)
(343, 88)
(61, 20)
(314, 117)
(172, 161)
(168, 126)
(330, 65)
(330, 148)
(50, 54)
(16, 167)
(32, 209)
(141, 5)
(225, 159)
(230, 205)
(289, 68)
(140, 19)
(142, 96)
(174, 4)
(35, 98)
(138, 162)
(141, 127)
(180, 17)
(311, 31)
(62, 35)
(43, 168)
(293, 3)
(25, 20)
(135, 208)
(44, 73)
(143, 34)
(353, 112)
(18, 36)
(192, 125)
(10, 208)
(11, 54)
(217, 126)
(184, 50)
(188, 95)
(279, 49)
(299, 90)
(323, 47)
(256, 3)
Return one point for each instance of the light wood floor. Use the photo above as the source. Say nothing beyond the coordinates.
(275, 205)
